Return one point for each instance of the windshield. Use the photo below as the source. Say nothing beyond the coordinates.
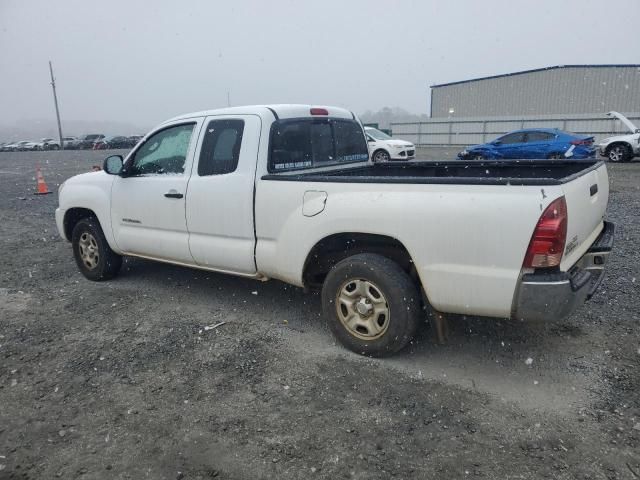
(377, 134)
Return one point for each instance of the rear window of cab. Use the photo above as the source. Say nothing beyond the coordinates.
(315, 142)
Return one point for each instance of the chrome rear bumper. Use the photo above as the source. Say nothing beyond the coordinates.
(553, 296)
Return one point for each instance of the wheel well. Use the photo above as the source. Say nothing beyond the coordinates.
(73, 216)
(330, 250)
(624, 144)
(380, 150)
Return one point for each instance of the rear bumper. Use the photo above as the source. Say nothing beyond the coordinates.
(554, 296)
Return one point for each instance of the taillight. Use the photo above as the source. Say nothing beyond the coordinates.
(319, 111)
(587, 141)
(548, 239)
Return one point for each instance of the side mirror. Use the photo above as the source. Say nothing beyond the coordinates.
(113, 164)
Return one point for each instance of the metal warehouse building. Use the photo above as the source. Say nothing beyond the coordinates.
(559, 90)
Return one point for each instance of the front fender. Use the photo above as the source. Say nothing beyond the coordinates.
(91, 191)
(486, 152)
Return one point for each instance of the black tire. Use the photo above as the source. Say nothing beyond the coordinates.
(478, 157)
(87, 234)
(619, 152)
(397, 295)
(380, 156)
(55, 147)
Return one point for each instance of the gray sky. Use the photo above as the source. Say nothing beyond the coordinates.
(142, 62)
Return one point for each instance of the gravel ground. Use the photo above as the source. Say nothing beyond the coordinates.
(124, 380)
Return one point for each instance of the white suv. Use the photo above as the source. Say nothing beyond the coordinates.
(621, 148)
(383, 148)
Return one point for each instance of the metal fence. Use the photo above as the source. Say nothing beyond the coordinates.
(468, 131)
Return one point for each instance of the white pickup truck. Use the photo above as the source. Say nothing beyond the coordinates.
(288, 192)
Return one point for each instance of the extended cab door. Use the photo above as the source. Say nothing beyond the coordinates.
(221, 193)
(148, 201)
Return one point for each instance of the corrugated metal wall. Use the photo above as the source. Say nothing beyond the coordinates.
(562, 91)
(468, 131)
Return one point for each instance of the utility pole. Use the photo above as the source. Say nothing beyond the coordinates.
(55, 101)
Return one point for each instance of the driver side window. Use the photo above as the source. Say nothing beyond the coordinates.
(164, 152)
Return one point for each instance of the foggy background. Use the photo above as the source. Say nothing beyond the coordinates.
(123, 66)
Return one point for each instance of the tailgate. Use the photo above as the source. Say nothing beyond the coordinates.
(587, 197)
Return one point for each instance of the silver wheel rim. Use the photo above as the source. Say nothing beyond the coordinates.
(362, 309)
(615, 155)
(381, 157)
(89, 252)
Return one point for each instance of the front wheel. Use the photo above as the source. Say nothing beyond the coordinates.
(619, 153)
(371, 305)
(93, 255)
(381, 156)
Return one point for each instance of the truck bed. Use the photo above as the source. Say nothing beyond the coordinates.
(511, 172)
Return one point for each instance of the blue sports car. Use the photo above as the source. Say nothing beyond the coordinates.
(533, 143)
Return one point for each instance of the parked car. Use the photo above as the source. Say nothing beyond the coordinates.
(24, 145)
(31, 145)
(48, 144)
(85, 142)
(621, 148)
(11, 147)
(113, 142)
(536, 143)
(71, 142)
(384, 148)
(135, 139)
(307, 207)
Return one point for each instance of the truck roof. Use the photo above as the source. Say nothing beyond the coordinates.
(278, 110)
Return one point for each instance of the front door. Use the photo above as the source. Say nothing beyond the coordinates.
(511, 145)
(148, 201)
(220, 194)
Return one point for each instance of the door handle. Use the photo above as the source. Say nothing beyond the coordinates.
(173, 194)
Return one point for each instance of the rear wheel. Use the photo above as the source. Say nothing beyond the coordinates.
(380, 156)
(93, 255)
(371, 304)
(478, 156)
(619, 152)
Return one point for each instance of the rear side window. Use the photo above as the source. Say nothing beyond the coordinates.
(314, 142)
(539, 136)
(221, 147)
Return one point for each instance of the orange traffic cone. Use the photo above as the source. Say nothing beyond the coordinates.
(42, 186)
